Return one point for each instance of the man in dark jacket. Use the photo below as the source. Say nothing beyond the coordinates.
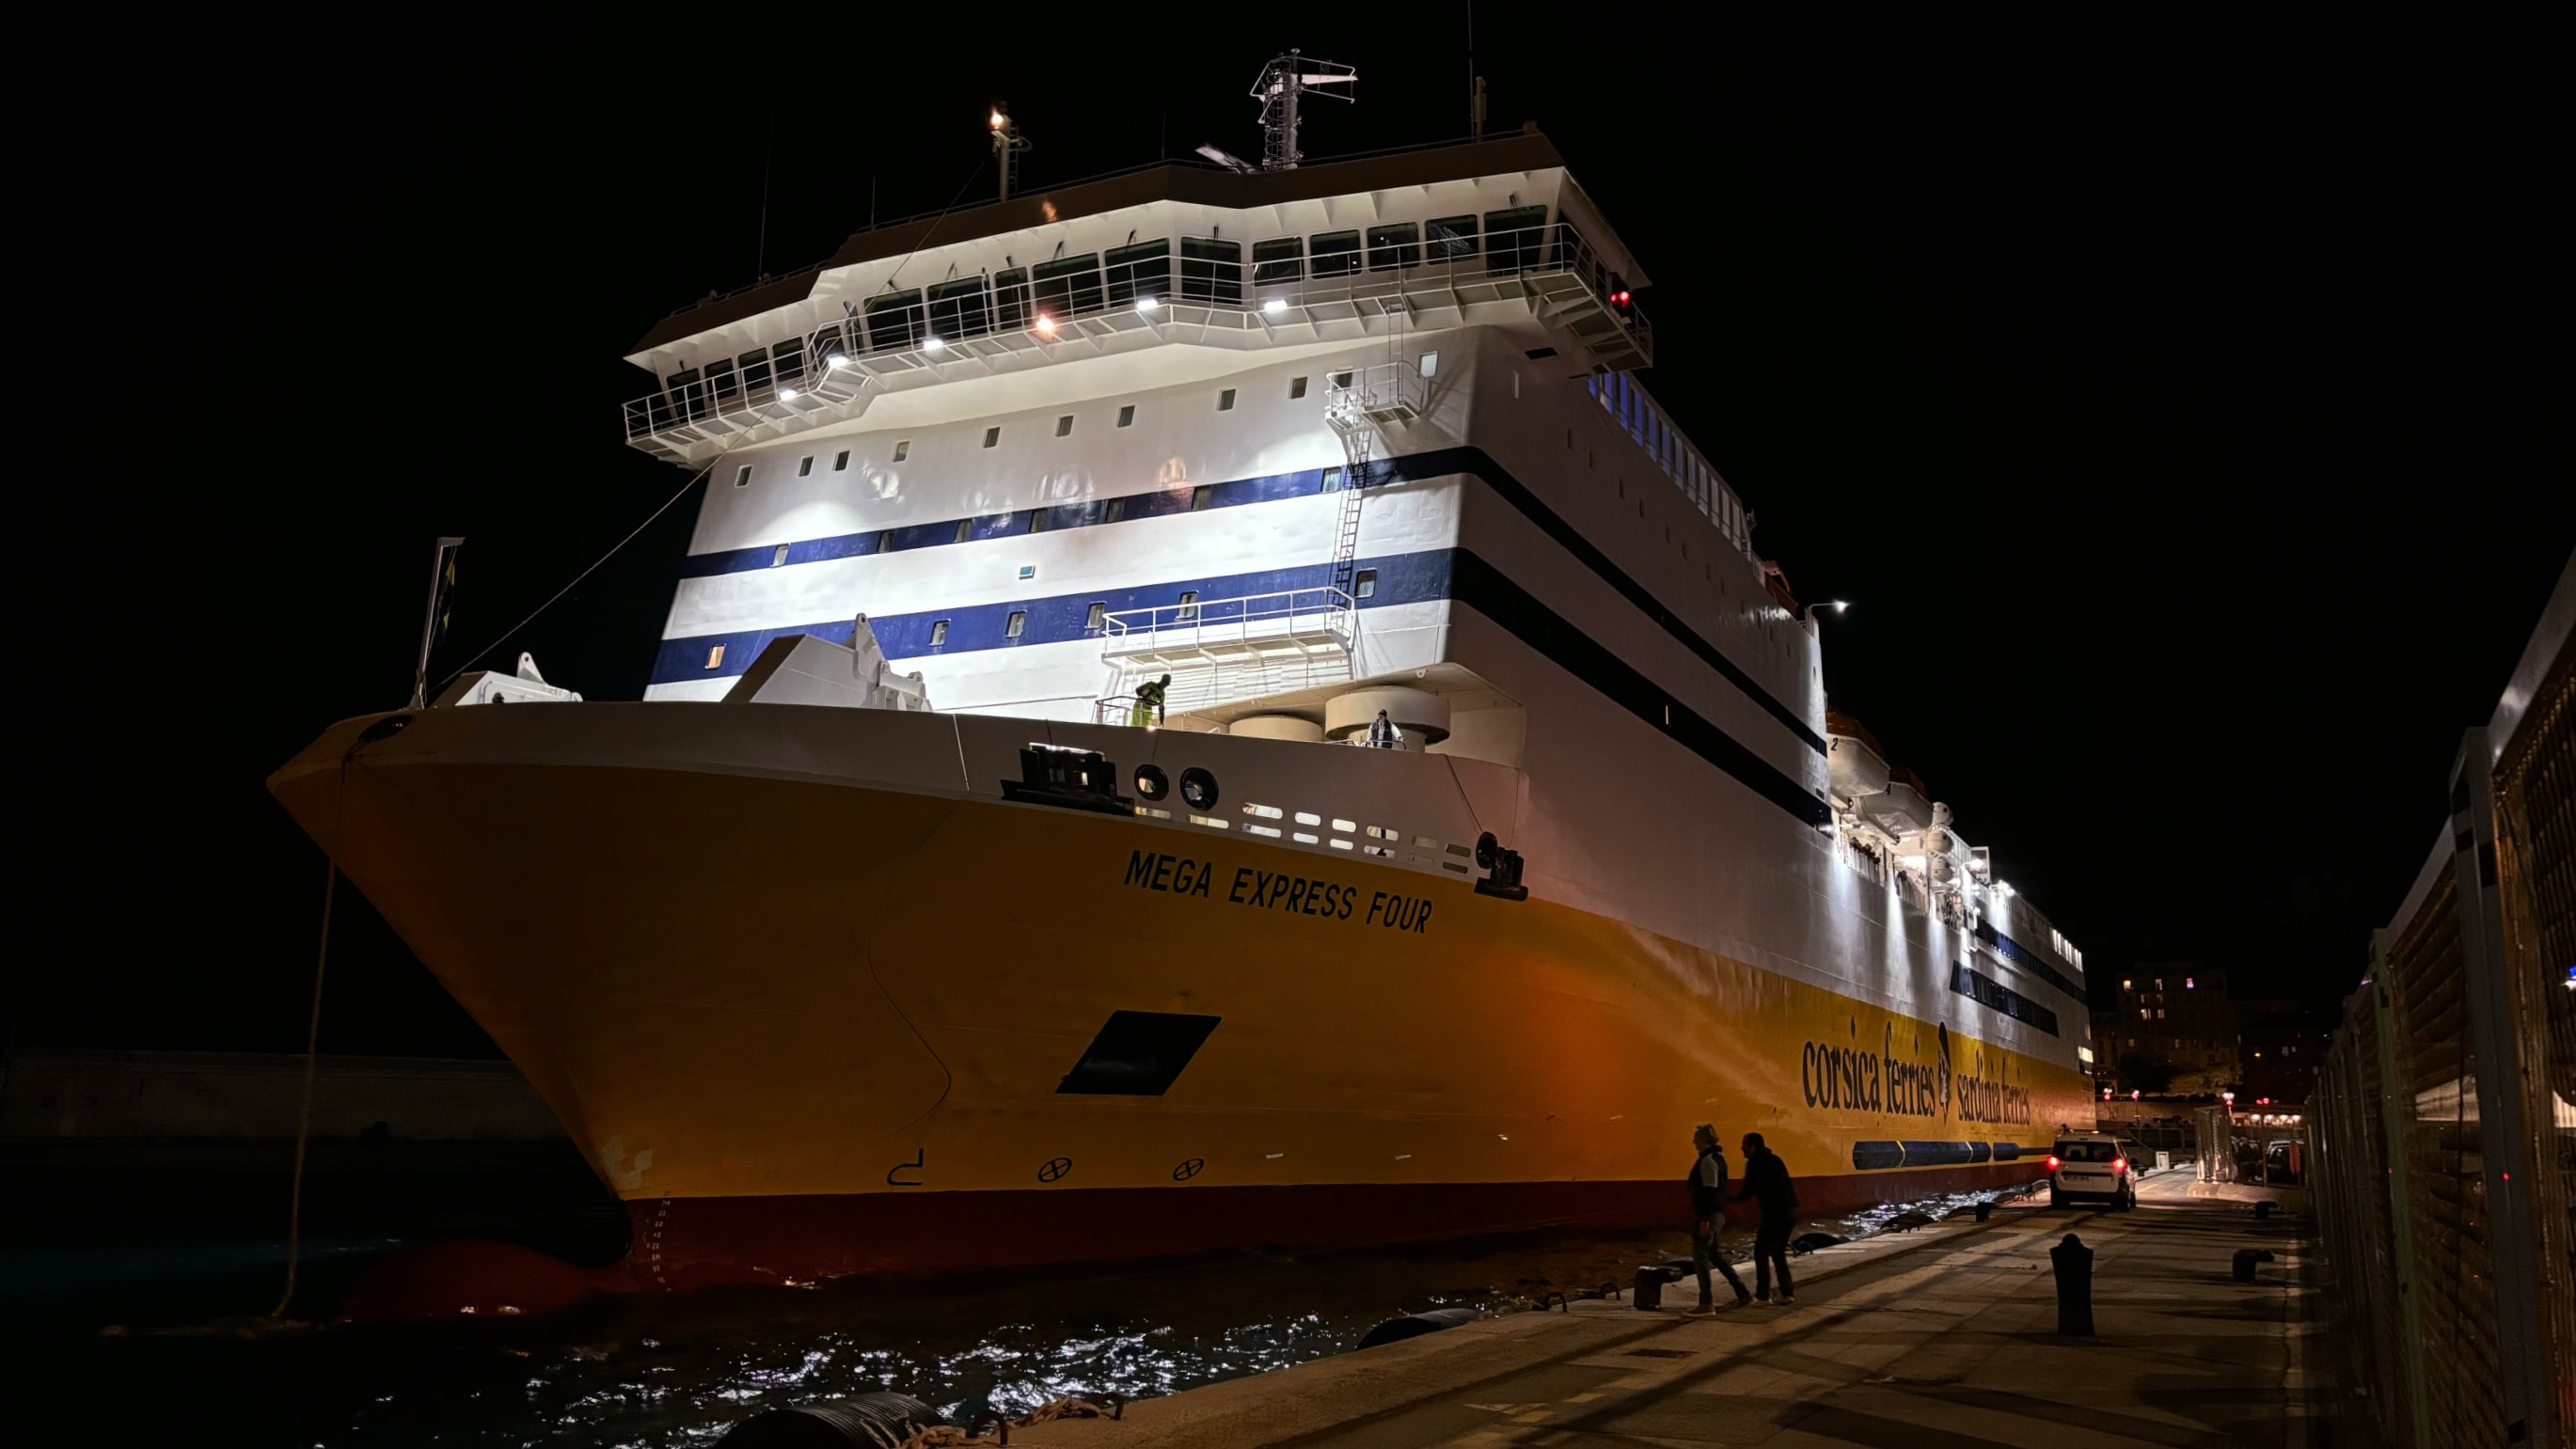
(1766, 1181)
(1708, 1214)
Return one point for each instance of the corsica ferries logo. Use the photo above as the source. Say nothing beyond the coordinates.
(1877, 1078)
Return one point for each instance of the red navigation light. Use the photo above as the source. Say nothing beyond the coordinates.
(2052, 1162)
(1619, 299)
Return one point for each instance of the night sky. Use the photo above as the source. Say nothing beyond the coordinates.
(2186, 414)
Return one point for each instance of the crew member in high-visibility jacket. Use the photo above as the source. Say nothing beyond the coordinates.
(1148, 709)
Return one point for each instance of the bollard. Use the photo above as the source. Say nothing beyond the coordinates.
(1985, 1210)
(2246, 1258)
(2263, 1210)
(1650, 1287)
(2074, 1264)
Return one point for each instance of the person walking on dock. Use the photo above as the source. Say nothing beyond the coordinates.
(1766, 1181)
(1708, 1213)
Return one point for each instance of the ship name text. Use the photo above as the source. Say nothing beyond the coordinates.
(1280, 891)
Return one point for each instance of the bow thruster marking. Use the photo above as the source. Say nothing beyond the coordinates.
(1055, 1167)
(1188, 1170)
(894, 1181)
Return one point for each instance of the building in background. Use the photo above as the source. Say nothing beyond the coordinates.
(2174, 1032)
(2280, 1050)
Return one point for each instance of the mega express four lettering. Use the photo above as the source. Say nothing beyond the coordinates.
(1280, 891)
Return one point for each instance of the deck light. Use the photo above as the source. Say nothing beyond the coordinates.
(787, 394)
(1275, 306)
(1046, 324)
(932, 344)
(1148, 306)
(837, 359)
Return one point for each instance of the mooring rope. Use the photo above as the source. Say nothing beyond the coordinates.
(304, 1117)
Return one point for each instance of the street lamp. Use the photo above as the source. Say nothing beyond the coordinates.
(1837, 605)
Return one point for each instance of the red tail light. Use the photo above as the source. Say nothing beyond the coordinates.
(2052, 1162)
(2119, 1164)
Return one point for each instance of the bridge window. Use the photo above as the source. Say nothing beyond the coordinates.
(1450, 237)
(722, 382)
(1281, 259)
(1515, 239)
(1143, 269)
(1068, 286)
(1397, 244)
(828, 343)
(894, 321)
(957, 309)
(755, 368)
(1211, 270)
(1098, 617)
(938, 632)
(787, 363)
(1189, 606)
(1336, 253)
(1019, 620)
(1011, 299)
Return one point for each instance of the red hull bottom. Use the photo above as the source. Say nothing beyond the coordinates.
(694, 1242)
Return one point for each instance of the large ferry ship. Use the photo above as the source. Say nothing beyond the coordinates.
(901, 927)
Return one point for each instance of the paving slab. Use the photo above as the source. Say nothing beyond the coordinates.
(1938, 1339)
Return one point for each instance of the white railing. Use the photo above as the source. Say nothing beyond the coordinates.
(1286, 624)
(1644, 419)
(931, 324)
(1387, 393)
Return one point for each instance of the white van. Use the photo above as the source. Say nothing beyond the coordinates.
(2089, 1166)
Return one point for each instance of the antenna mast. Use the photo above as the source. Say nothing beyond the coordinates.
(1008, 147)
(1283, 83)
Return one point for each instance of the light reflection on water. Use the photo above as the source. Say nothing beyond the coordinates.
(666, 1370)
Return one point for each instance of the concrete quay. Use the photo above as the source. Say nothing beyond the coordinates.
(1943, 1338)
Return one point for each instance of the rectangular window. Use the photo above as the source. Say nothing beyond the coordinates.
(1139, 270)
(1211, 271)
(1098, 617)
(787, 363)
(1335, 253)
(965, 529)
(1064, 426)
(1202, 498)
(1225, 401)
(957, 310)
(1066, 287)
(779, 558)
(722, 382)
(743, 478)
(715, 657)
(1116, 510)
(1397, 244)
(841, 461)
(938, 632)
(1019, 621)
(903, 450)
(1514, 239)
(1448, 238)
(1127, 415)
(827, 347)
(893, 320)
(1430, 364)
(1332, 481)
(1296, 387)
(1189, 612)
(1011, 310)
(755, 369)
(1282, 259)
(1364, 584)
(1037, 520)
(1340, 380)
(1308, 817)
(805, 466)
(992, 437)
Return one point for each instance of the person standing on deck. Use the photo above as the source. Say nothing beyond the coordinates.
(1766, 1181)
(1383, 735)
(1148, 709)
(1708, 1213)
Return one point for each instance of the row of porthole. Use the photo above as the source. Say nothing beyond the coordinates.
(1198, 787)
